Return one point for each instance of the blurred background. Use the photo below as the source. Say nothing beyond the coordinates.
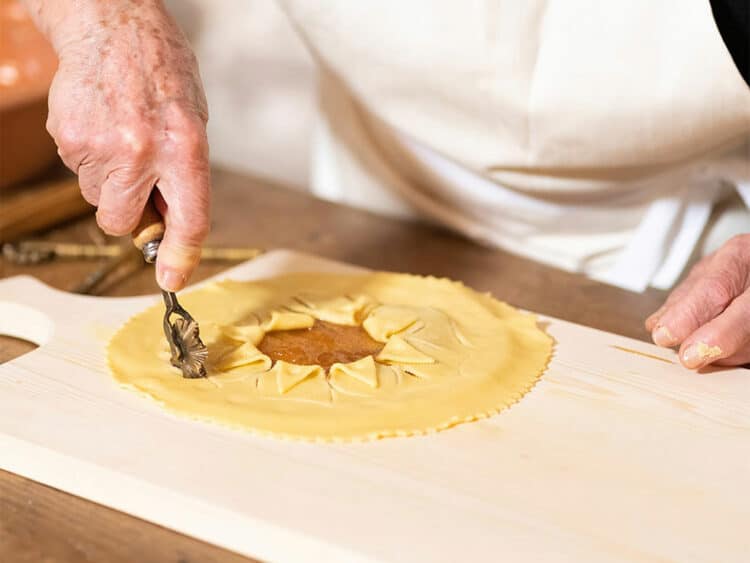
(260, 117)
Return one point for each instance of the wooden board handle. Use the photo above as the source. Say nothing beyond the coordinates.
(151, 226)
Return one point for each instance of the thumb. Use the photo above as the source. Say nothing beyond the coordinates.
(185, 207)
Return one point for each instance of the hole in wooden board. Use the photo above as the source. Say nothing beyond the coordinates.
(21, 322)
(11, 348)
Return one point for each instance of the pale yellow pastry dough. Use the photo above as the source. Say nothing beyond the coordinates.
(364, 370)
(398, 351)
(449, 355)
(288, 375)
(386, 320)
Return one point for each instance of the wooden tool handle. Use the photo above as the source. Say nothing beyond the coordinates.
(151, 226)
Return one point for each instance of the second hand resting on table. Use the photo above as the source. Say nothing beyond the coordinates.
(128, 113)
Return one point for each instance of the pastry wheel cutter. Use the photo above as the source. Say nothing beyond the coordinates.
(188, 352)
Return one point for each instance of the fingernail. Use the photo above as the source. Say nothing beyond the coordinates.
(171, 280)
(699, 354)
(662, 337)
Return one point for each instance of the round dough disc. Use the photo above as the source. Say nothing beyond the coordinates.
(449, 355)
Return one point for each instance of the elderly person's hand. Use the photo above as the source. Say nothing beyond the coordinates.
(708, 314)
(128, 113)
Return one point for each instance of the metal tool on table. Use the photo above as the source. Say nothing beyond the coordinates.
(95, 278)
(188, 352)
(29, 252)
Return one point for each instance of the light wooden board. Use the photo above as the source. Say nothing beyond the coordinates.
(613, 456)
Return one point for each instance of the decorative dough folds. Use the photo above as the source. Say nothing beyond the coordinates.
(244, 355)
(343, 310)
(288, 375)
(248, 333)
(363, 370)
(287, 320)
(399, 351)
(387, 320)
(449, 355)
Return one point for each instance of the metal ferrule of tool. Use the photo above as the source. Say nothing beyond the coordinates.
(188, 352)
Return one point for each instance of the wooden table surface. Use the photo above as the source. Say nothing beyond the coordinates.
(38, 523)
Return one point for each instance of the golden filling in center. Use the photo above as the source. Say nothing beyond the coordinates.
(323, 344)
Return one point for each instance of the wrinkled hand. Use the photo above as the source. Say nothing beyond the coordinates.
(708, 314)
(128, 113)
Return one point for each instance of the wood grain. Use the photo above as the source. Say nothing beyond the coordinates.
(13, 347)
(151, 226)
(39, 523)
(28, 209)
(253, 212)
(588, 465)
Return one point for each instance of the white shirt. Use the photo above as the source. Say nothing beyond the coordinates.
(592, 136)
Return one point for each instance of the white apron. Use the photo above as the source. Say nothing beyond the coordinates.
(593, 136)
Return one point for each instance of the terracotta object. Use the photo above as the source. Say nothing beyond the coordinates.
(27, 65)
